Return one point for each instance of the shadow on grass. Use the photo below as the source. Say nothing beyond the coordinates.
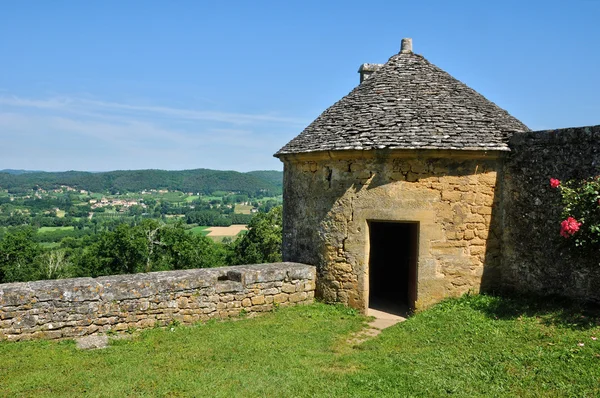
(552, 311)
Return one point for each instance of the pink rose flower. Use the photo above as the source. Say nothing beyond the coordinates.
(554, 183)
(568, 227)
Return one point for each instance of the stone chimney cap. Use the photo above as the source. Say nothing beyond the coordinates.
(366, 70)
(406, 47)
(369, 67)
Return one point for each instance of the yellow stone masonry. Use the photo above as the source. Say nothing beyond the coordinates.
(329, 202)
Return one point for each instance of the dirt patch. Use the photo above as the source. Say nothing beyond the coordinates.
(232, 230)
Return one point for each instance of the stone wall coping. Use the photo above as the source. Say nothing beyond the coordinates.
(557, 136)
(135, 286)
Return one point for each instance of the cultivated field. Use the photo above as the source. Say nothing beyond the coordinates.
(232, 230)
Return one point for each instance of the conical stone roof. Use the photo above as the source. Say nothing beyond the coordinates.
(408, 103)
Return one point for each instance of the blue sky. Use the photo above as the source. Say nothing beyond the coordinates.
(176, 85)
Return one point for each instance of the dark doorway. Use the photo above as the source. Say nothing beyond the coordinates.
(393, 266)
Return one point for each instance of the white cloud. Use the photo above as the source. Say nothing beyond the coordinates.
(90, 107)
(75, 133)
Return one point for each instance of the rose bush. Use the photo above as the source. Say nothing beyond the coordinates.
(581, 211)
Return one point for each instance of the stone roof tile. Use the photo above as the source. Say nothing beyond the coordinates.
(408, 103)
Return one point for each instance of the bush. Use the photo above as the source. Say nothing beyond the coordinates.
(581, 211)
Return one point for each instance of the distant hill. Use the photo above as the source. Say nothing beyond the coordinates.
(16, 172)
(273, 176)
(205, 181)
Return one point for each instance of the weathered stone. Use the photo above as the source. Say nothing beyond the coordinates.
(271, 291)
(190, 318)
(228, 287)
(280, 298)
(296, 297)
(288, 288)
(227, 298)
(92, 342)
(151, 298)
(535, 257)
(452, 196)
(246, 302)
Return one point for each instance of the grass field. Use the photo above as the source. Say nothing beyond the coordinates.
(200, 230)
(41, 230)
(173, 197)
(191, 198)
(470, 347)
(60, 213)
(243, 209)
(208, 198)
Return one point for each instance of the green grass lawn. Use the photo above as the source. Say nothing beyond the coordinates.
(191, 198)
(243, 209)
(209, 198)
(173, 197)
(199, 230)
(473, 346)
(41, 230)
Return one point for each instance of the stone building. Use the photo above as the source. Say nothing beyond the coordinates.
(391, 192)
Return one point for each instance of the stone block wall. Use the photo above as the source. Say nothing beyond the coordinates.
(330, 198)
(535, 258)
(82, 306)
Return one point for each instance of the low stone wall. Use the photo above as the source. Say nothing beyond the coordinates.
(536, 259)
(82, 306)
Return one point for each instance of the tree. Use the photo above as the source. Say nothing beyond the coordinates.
(149, 246)
(18, 256)
(54, 265)
(262, 243)
(182, 250)
(122, 251)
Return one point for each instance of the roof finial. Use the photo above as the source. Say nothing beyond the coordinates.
(406, 47)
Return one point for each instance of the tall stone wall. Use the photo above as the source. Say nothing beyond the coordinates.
(82, 306)
(330, 198)
(535, 258)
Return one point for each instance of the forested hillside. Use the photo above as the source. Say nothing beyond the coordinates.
(13, 171)
(203, 181)
(273, 176)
